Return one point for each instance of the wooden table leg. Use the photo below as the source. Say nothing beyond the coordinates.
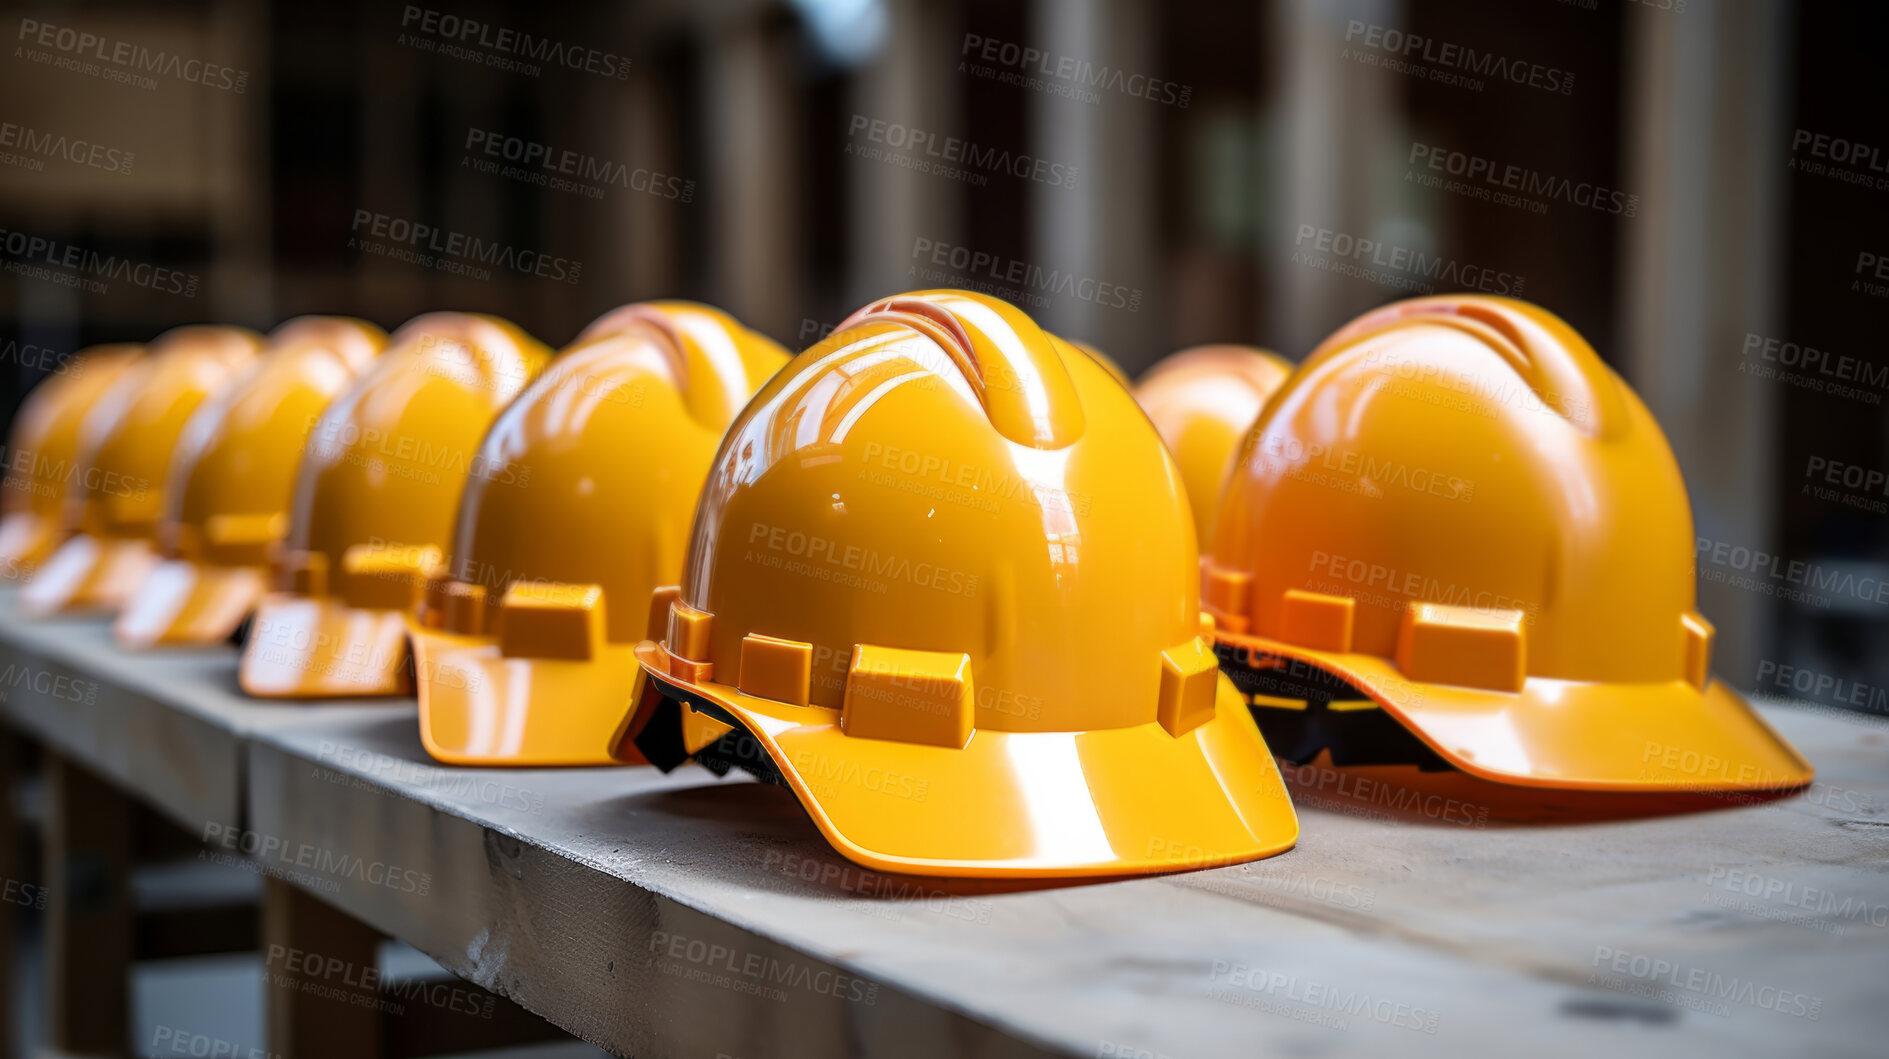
(88, 911)
(322, 985)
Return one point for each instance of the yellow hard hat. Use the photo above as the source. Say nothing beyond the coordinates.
(942, 582)
(524, 650)
(125, 447)
(1202, 400)
(228, 495)
(1458, 511)
(379, 480)
(43, 452)
(1107, 362)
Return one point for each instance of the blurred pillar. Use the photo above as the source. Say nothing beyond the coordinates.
(1707, 103)
(648, 228)
(909, 83)
(1330, 121)
(242, 278)
(390, 170)
(1105, 228)
(754, 188)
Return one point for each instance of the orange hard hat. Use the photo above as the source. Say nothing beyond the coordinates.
(942, 584)
(125, 448)
(1458, 511)
(375, 493)
(524, 645)
(42, 459)
(1201, 401)
(230, 481)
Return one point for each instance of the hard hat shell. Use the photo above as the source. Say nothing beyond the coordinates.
(1107, 362)
(379, 481)
(230, 481)
(943, 582)
(125, 447)
(1201, 401)
(1456, 508)
(42, 455)
(524, 647)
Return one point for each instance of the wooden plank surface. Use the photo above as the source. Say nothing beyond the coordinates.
(168, 725)
(648, 914)
(689, 916)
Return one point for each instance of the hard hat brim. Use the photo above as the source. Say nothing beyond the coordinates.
(1014, 804)
(184, 603)
(26, 539)
(88, 574)
(305, 647)
(478, 707)
(1667, 736)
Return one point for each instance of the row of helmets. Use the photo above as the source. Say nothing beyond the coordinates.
(941, 575)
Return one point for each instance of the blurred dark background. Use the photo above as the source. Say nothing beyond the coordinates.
(1701, 188)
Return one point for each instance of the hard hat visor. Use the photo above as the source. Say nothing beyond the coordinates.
(1668, 736)
(87, 574)
(319, 647)
(27, 538)
(183, 602)
(478, 707)
(1008, 804)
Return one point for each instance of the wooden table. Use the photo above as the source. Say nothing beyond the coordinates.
(687, 916)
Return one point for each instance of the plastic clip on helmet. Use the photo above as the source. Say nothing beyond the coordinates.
(526, 654)
(1202, 400)
(1457, 512)
(125, 446)
(42, 456)
(942, 583)
(230, 481)
(379, 481)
